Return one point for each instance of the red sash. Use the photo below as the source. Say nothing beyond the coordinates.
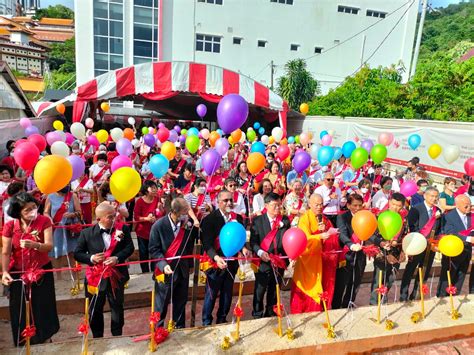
(187, 188)
(298, 207)
(170, 253)
(58, 216)
(270, 237)
(467, 232)
(180, 165)
(339, 173)
(100, 174)
(377, 179)
(199, 202)
(426, 230)
(236, 196)
(83, 182)
(367, 196)
(246, 185)
(261, 175)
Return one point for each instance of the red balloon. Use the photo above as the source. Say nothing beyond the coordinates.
(469, 167)
(283, 152)
(38, 140)
(26, 155)
(294, 242)
(20, 141)
(163, 134)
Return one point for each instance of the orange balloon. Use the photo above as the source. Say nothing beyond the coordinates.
(255, 162)
(236, 135)
(364, 224)
(105, 106)
(271, 140)
(128, 133)
(213, 137)
(284, 141)
(61, 108)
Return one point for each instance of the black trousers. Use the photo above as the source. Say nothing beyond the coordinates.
(180, 297)
(388, 278)
(411, 269)
(457, 269)
(352, 275)
(219, 283)
(144, 254)
(339, 288)
(265, 283)
(96, 309)
(332, 218)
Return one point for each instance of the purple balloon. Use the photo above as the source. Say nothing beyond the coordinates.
(31, 130)
(201, 110)
(78, 166)
(211, 161)
(367, 145)
(52, 137)
(222, 146)
(173, 136)
(177, 129)
(182, 139)
(301, 161)
(124, 147)
(232, 112)
(149, 140)
(120, 161)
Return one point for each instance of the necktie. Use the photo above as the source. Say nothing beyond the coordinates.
(465, 221)
(430, 213)
(103, 230)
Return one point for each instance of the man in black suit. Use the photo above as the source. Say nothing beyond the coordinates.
(424, 218)
(266, 240)
(170, 237)
(220, 279)
(101, 247)
(457, 222)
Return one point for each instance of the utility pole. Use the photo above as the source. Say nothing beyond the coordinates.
(418, 39)
(272, 71)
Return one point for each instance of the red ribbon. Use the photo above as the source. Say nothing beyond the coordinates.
(382, 290)
(451, 290)
(238, 312)
(29, 331)
(160, 335)
(83, 327)
(277, 261)
(278, 311)
(155, 317)
(424, 289)
(324, 296)
(370, 250)
(31, 275)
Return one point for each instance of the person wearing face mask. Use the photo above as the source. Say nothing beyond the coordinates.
(169, 238)
(365, 190)
(99, 172)
(199, 201)
(258, 203)
(295, 203)
(381, 198)
(446, 198)
(417, 198)
(376, 177)
(220, 274)
(26, 241)
(76, 148)
(5, 179)
(83, 187)
(106, 196)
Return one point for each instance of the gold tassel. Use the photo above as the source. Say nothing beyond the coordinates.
(126, 285)
(171, 326)
(290, 334)
(389, 324)
(241, 275)
(202, 278)
(225, 343)
(416, 317)
(74, 291)
(331, 332)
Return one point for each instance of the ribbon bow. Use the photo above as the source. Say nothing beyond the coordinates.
(155, 317)
(160, 335)
(370, 250)
(29, 331)
(324, 296)
(452, 290)
(424, 289)
(277, 261)
(278, 310)
(382, 290)
(32, 275)
(238, 312)
(83, 327)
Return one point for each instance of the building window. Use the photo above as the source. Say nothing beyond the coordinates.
(348, 9)
(237, 40)
(217, 2)
(145, 31)
(294, 47)
(261, 43)
(208, 43)
(287, 2)
(373, 13)
(318, 50)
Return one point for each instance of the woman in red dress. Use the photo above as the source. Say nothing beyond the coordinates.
(27, 239)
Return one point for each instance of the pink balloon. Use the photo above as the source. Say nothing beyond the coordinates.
(283, 152)
(469, 167)
(326, 140)
(408, 188)
(26, 155)
(69, 138)
(161, 125)
(120, 161)
(163, 134)
(386, 138)
(38, 140)
(93, 141)
(25, 122)
(52, 137)
(89, 122)
(294, 242)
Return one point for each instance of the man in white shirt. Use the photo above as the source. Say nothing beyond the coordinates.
(333, 198)
(239, 203)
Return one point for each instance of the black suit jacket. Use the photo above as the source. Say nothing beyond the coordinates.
(90, 242)
(453, 225)
(418, 217)
(260, 228)
(344, 224)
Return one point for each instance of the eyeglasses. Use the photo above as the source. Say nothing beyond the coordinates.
(226, 200)
(329, 179)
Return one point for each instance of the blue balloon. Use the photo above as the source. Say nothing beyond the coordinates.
(325, 155)
(232, 238)
(193, 131)
(322, 134)
(159, 165)
(261, 131)
(337, 153)
(258, 147)
(256, 125)
(414, 141)
(347, 148)
(220, 131)
(291, 139)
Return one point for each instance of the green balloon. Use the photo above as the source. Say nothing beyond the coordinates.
(297, 139)
(390, 224)
(192, 144)
(184, 132)
(378, 153)
(359, 157)
(145, 130)
(251, 135)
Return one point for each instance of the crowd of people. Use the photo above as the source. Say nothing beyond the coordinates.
(83, 222)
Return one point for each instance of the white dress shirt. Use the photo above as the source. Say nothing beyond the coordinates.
(332, 205)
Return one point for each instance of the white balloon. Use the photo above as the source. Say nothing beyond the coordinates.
(62, 135)
(78, 130)
(265, 140)
(242, 138)
(158, 143)
(116, 134)
(414, 244)
(451, 153)
(205, 133)
(131, 121)
(314, 151)
(249, 129)
(135, 143)
(277, 133)
(60, 148)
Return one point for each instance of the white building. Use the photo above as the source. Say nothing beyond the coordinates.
(334, 36)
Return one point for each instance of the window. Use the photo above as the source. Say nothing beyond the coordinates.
(373, 13)
(208, 43)
(348, 9)
(261, 43)
(318, 50)
(294, 47)
(217, 2)
(237, 40)
(287, 2)
(142, 48)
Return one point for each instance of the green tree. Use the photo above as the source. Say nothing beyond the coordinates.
(61, 81)
(297, 85)
(57, 11)
(63, 56)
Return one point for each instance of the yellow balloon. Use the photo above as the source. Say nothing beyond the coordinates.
(451, 245)
(271, 140)
(168, 149)
(304, 108)
(230, 140)
(52, 173)
(105, 106)
(434, 151)
(125, 184)
(58, 125)
(102, 136)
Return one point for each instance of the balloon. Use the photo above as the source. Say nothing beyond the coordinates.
(348, 148)
(232, 238)
(20, 141)
(104, 106)
(261, 131)
(78, 165)
(161, 125)
(451, 153)
(120, 161)
(61, 135)
(211, 161)
(283, 152)
(184, 132)
(25, 122)
(337, 153)
(125, 184)
(469, 167)
(93, 141)
(52, 173)
(38, 140)
(331, 132)
(294, 242)
(232, 112)
(173, 136)
(205, 133)
(451, 245)
(408, 188)
(31, 130)
(128, 134)
(367, 144)
(325, 155)
(305, 139)
(255, 162)
(258, 147)
(364, 224)
(69, 138)
(52, 137)
(277, 134)
(359, 157)
(78, 130)
(291, 139)
(385, 138)
(201, 110)
(149, 140)
(265, 139)
(378, 153)
(271, 140)
(131, 121)
(348, 176)
(182, 139)
(102, 136)
(256, 125)
(145, 130)
(251, 136)
(313, 151)
(414, 244)
(26, 155)
(221, 146)
(116, 134)
(159, 165)
(326, 140)
(193, 131)
(301, 161)
(231, 141)
(236, 135)
(213, 137)
(58, 125)
(61, 109)
(124, 147)
(163, 134)
(177, 129)
(168, 149)
(414, 141)
(60, 148)
(304, 108)
(434, 151)
(135, 143)
(322, 134)
(89, 122)
(192, 144)
(390, 223)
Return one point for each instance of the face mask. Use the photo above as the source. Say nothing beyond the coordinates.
(364, 190)
(201, 190)
(101, 164)
(423, 188)
(32, 214)
(387, 187)
(269, 161)
(110, 198)
(12, 154)
(76, 151)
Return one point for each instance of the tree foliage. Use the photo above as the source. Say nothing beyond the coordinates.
(57, 11)
(63, 56)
